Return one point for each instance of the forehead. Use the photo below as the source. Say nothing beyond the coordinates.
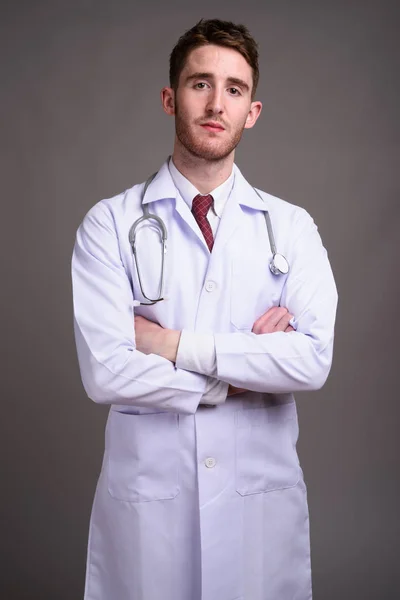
(220, 61)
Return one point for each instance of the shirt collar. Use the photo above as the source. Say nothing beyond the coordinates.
(188, 191)
(163, 187)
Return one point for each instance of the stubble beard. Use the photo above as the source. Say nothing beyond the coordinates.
(208, 151)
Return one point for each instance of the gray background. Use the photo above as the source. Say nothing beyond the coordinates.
(81, 120)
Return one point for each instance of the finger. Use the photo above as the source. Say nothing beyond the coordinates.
(267, 313)
(264, 318)
(288, 329)
(268, 321)
(281, 325)
(139, 320)
(283, 322)
(139, 323)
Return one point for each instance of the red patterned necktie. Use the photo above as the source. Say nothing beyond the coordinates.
(200, 207)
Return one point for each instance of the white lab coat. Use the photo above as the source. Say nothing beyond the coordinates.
(199, 503)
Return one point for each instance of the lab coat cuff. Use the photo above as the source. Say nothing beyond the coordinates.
(196, 352)
(216, 392)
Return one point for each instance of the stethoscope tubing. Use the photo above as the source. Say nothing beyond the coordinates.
(278, 264)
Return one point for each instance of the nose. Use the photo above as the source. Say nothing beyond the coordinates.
(215, 102)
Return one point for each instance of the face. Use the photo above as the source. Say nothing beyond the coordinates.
(212, 105)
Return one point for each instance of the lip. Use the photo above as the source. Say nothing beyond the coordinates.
(213, 126)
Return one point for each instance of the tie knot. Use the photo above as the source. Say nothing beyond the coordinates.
(201, 205)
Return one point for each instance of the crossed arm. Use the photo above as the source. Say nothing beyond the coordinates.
(151, 338)
(123, 365)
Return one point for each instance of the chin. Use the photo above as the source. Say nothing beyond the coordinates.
(211, 155)
(210, 152)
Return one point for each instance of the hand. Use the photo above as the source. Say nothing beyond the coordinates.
(234, 390)
(275, 319)
(151, 338)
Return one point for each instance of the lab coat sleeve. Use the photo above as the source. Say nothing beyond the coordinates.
(287, 362)
(112, 370)
(197, 353)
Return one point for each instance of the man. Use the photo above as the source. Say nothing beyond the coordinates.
(201, 496)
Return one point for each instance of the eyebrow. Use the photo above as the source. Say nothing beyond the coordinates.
(231, 80)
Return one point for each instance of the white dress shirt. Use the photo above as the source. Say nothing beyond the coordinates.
(196, 351)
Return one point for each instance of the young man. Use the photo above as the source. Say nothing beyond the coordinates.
(198, 352)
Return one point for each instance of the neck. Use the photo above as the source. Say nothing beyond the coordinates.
(204, 174)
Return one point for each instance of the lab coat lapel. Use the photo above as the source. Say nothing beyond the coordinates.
(230, 222)
(186, 214)
(163, 188)
(246, 194)
(242, 194)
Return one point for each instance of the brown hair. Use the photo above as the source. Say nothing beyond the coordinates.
(220, 33)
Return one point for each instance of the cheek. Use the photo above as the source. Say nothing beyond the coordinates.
(241, 119)
(181, 110)
(192, 104)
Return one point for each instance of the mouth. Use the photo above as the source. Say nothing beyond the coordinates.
(213, 126)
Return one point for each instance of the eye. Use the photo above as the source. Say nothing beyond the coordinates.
(234, 91)
(201, 85)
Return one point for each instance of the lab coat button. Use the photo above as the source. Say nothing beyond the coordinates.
(210, 462)
(210, 286)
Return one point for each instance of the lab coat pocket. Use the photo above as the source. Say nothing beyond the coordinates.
(266, 457)
(253, 290)
(143, 452)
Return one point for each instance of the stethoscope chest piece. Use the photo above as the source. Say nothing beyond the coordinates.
(279, 265)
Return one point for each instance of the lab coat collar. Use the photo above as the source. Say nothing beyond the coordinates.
(188, 191)
(162, 188)
(246, 195)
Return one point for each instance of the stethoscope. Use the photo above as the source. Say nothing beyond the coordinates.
(278, 264)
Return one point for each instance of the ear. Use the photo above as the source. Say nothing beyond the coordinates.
(168, 100)
(254, 113)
